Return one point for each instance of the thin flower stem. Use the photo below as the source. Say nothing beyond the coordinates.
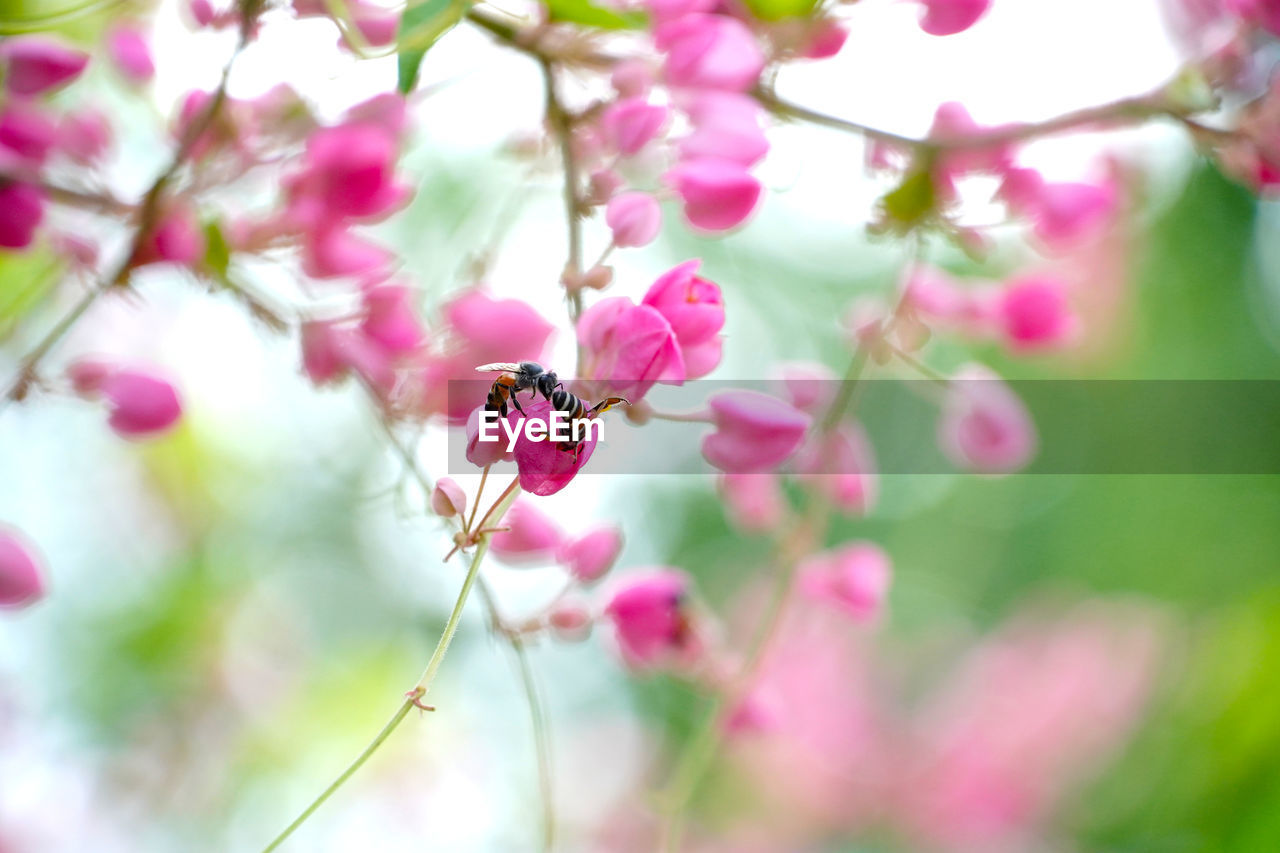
(562, 128)
(423, 685)
(475, 505)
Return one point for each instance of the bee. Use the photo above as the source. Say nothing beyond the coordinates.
(515, 378)
(576, 409)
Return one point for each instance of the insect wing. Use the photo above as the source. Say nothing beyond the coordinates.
(499, 367)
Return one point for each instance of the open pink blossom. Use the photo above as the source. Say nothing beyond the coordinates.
(854, 578)
(589, 556)
(177, 238)
(448, 499)
(840, 464)
(629, 347)
(634, 218)
(630, 123)
(84, 135)
(984, 426)
(754, 432)
(35, 64)
(390, 319)
(546, 468)
(130, 52)
(649, 612)
(726, 126)
(484, 453)
(21, 575)
(1035, 313)
(21, 211)
(694, 307)
(717, 194)
(142, 404)
(335, 251)
(1062, 214)
(348, 172)
(753, 502)
(705, 51)
(948, 17)
(27, 133)
(534, 536)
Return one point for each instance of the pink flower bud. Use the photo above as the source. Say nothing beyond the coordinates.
(630, 123)
(810, 386)
(1062, 214)
(88, 374)
(35, 64)
(984, 427)
(484, 453)
(390, 320)
(754, 432)
(826, 39)
(348, 171)
(84, 135)
(948, 17)
(631, 77)
(322, 351)
(448, 499)
(710, 52)
(842, 466)
(534, 536)
(629, 347)
(634, 217)
(603, 184)
(726, 126)
(177, 238)
(588, 557)
(334, 251)
(753, 502)
(21, 210)
(1034, 313)
(570, 620)
(201, 12)
(649, 614)
(21, 581)
(692, 305)
(717, 194)
(142, 405)
(854, 578)
(129, 51)
(27, 132)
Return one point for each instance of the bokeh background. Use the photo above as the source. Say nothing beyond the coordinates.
(235, 609)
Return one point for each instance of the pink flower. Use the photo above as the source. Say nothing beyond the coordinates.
(544, 467)
(718, 194)
(448, 499)
(376, 24)
(825, 39)
(694, 307)
(840, 464)
(588, 557)
(948, 17)
(84, 135)
(1035, 313)
(984, 427)
(27, 132)
(335, 251)
(570, 620)
(809, 386)
(21, 581)
(348, 172)
(634, 218)
(483, 453)
(177, 238)
(753, 502)
(322, 351)
(629, 347)
(650, 619)
(754, 432)
(390, 320)
(21, 210)
(709, 52)
(130, 53)
(1263, 13)
(1063, 214)
(953, 124)
(631, 77)
(630, 123)
(142, 405)
(534, 536)
(726, 126)
(855, 578)
(36, 64)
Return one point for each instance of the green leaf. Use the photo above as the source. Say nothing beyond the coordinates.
(26, 278)
(421, 26)
(912, 200)
(217, 252)
(776, 10)
(590, 15)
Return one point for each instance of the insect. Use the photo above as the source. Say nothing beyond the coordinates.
(576, 409)
(516, 378)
